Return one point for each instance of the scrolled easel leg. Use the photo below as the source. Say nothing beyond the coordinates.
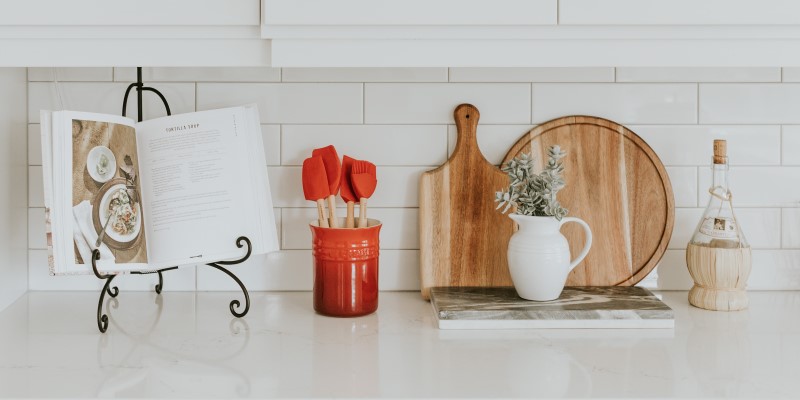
(160, 284)
(235, 303)
(102, 319)
(240, 242)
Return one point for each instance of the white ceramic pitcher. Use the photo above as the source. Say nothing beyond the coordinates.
(538, 256)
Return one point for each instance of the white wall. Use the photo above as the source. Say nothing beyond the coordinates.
(402, 120)
(13, 185)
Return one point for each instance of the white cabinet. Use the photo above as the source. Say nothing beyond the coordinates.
(131, 32)
(510, 33)
(109, 13)
(396, 33)
(679, 12)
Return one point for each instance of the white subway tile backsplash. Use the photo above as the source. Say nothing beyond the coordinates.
(775, 270)
(35, 187)
(632, 103)
(653, 74)
(294, 270)
(282, 270)
(271, 136)
(70, 74)
(693, 144)
(402, 119)
(758, 186)
(766, 103)
(791, 74)
(686, 220)
(381, 144)
(34, 145)
(397, 187)
(399, 270)
(281, 103)
(433, 103)
(39, 277)
(772, 270)
(761, 226)
(365, 74)
(493, 140)
(672, 271)
(106, 97)
(790, 145)
(399, 231)
(36, 235)
(790, 222)
(684, 185)
(540, 74)
(205, 74)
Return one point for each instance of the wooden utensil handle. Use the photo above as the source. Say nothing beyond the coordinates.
(362, 213)
(466, 117)
(351, 222)
(332, 211)
(323, 220)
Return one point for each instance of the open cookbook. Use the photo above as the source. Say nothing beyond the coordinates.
(169, 191)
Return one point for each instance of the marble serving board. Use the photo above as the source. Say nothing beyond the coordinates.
(612, 307)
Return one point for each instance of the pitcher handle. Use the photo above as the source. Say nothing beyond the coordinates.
(588, 244)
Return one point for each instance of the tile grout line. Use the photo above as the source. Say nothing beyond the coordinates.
(532, 105)
(697, 106)
(780, 228)
(697, 184)
(27, 188)
(363, 103)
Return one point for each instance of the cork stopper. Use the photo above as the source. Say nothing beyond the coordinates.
(720, 151)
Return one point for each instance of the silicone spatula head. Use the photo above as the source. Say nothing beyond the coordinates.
(333, 167)
(346, 186)
(364, 178)
(315, 181)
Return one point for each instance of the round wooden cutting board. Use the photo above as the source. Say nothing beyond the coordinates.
(618, 185)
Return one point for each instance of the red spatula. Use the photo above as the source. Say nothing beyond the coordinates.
(315, 186)
(333, 171)
(364, 180)
(346, 190)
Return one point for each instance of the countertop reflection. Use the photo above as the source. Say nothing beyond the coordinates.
(188, 345)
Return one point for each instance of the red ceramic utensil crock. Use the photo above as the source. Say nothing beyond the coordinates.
(346, 269)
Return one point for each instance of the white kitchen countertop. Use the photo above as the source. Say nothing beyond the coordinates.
(188, 345)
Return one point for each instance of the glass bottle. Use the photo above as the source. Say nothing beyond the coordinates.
(718, 255)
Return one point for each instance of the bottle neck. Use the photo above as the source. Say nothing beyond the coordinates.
(720, 182)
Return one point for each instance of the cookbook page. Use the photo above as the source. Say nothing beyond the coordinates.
(199, 195)
(97, 193)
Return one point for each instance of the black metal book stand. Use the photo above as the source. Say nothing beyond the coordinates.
(102, 319)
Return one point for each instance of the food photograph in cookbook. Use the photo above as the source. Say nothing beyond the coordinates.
(106, 192)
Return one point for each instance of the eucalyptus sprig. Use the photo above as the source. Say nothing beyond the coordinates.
(530, 193)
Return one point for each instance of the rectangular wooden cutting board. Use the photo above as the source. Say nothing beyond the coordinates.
(463, 239)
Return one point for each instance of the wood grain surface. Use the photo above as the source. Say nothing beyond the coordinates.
(618, 185)
(463, 240)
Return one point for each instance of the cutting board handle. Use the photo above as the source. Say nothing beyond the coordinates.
(466, 116)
